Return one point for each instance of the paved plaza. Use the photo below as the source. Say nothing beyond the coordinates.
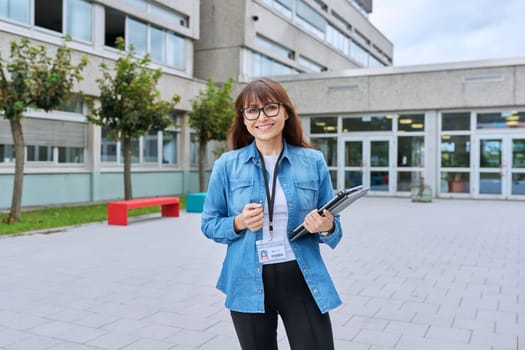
(447, 275)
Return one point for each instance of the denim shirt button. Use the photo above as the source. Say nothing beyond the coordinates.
(305, 270)
(259, 291)
(257, 269)
(316, 291)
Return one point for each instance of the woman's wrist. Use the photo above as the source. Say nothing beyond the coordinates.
(329, 232)
(236, 226)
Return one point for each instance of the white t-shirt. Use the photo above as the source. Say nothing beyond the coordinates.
(280, 213)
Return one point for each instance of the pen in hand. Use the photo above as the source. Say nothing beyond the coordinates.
(251, 217)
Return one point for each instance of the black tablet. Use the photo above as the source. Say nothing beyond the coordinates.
(335, 206)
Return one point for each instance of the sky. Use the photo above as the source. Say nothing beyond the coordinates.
(439, 31)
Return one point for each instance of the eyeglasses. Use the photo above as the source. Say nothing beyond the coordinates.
(253, 113)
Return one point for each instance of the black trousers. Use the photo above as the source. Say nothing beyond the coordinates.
(286, 294)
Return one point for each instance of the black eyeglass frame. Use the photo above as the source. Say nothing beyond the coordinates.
(242, 110)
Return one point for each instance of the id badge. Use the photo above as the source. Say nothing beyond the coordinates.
(270, 251)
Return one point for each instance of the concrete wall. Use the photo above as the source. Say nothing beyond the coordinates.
(217, 51)
(480, 84)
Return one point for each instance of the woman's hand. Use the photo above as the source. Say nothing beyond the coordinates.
(251, 217)
(314, 222)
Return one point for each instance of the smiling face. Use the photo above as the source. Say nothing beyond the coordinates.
(266, 130)
(270, 128)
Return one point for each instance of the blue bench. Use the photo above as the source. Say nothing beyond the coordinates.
(195, 202)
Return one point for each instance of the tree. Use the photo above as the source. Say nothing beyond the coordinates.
(32, 79)
(211, 116)
(129, 104)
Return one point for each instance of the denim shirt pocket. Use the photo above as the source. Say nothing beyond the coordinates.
(241, 193)
(307, 194)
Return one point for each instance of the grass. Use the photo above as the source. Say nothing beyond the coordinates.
(56, 217)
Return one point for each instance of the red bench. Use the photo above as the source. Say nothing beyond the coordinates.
(118, 211)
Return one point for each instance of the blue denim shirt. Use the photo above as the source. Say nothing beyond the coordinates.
(236, 180)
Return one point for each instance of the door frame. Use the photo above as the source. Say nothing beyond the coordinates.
(365, 167)
(506, 170)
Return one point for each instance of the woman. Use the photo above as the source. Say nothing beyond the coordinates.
(258, 193)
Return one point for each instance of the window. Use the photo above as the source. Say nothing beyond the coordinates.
(323, 125)
(284, 7)
(137, 35)
(7, 153)
(411, 122)
(115, 22)
(375, 63)
(407, 179)
(265, 66)
(158, 44)
(150, 150)
(194, 149)
(145, 149)
(367, 123)
(310, 19)
(455, 151)
(16, 10)
(410, 151)
(49, 14)
(328, 146)
(78, 19)
(285, 3)
(169, 147)
(455, 182)
(455, 121)
(135, 150)
(70, 155)
(39, 153)
(46, 140)
(274, 47)
(163, 46)
(499, 120)
(358, 53)
(311, 65)
(518, 153)
(108, 149)
(43, 136)
(490, 121)
(176, 51)
(162, 13)
(338, 39)
(73, 104)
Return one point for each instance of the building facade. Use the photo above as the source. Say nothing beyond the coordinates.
(244, 39)
(459, 127)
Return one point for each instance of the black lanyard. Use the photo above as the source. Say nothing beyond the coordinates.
(270, 199)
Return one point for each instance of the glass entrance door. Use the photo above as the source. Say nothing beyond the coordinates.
(517, 166)
(500, 166)
(367, 161)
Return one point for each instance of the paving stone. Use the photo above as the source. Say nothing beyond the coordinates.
(411, 276)
(113, 341)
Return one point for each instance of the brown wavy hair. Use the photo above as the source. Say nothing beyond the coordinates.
(265, 90)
